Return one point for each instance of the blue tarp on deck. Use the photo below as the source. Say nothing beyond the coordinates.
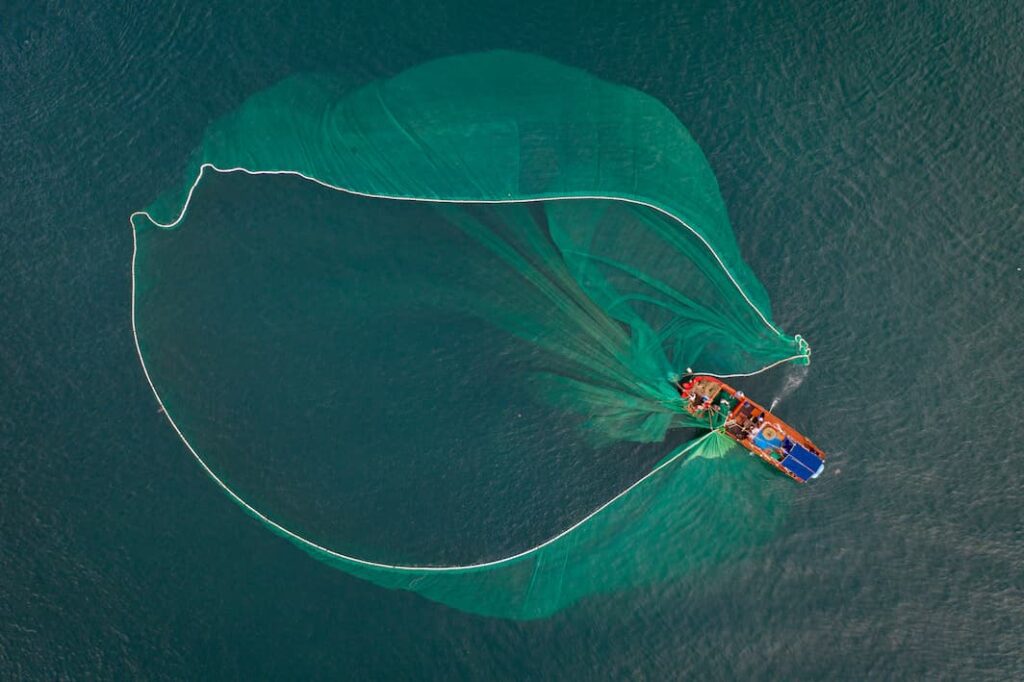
(764, 443)
(806, 457)
(798, 469)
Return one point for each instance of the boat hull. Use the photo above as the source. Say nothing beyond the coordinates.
(751, 425)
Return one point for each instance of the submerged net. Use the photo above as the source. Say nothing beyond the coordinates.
(434, 342)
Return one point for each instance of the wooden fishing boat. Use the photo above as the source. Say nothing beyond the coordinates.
(752, 426)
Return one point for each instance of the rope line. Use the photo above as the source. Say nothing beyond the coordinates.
(369, 195)
(406, 567)
(800, 340)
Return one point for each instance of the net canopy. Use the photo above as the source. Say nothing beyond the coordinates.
(433, 341)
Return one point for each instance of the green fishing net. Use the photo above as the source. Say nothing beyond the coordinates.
(428, 329)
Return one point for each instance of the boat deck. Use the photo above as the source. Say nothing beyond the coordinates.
(753, 427)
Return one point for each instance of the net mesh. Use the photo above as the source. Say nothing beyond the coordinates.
(523, 255)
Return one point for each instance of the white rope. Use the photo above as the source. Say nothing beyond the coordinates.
(805, 355)
(365, 562)
(203, 167)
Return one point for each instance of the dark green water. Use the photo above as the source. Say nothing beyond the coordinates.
(871, 162)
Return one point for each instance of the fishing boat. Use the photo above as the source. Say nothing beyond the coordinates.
(724, 408)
